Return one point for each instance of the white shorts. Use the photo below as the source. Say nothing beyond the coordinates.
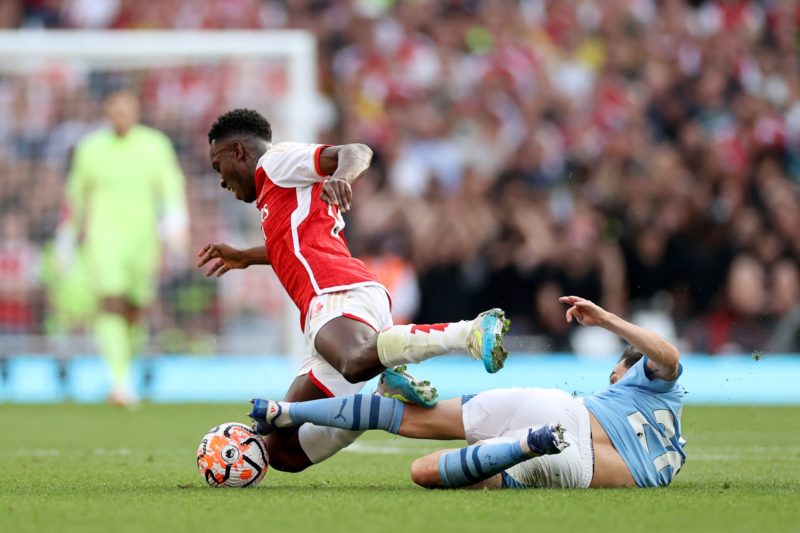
(368, 304)
(507, 414)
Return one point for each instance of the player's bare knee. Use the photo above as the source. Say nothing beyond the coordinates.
(354, 370)
(416, 473)
(348, 370)
(425, 473)
(284, 455)
(290, 467)
(290, 462)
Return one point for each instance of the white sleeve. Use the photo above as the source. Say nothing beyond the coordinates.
(292, 165)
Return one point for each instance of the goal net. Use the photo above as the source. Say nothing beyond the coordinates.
(52, 85)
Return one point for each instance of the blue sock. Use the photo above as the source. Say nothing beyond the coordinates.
(357, 412)
(510, 483)
(475, 463)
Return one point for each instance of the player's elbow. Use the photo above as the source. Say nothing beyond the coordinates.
(673, 355)
(354, 371)
(670, 359)
(362, 151)
(283, 455)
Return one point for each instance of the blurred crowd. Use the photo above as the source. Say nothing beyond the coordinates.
(644, 154)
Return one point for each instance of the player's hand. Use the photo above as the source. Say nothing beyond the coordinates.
(337, 192)
(587, 313)
(228, 258)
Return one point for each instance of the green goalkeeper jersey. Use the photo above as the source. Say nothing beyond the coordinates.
(119, 187)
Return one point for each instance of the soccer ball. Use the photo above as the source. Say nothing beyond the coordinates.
(232, 455)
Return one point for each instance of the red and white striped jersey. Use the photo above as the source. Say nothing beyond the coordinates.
(303, 235)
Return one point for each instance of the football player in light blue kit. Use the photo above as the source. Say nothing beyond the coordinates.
(651, 406)
(626, 435)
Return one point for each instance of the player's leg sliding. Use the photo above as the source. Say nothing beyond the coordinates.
(320, 442)
(458, 468)
(475, 463)
(356, 413)
(482, 338)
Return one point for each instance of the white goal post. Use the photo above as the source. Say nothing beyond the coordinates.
(148, 48)
(293, 115)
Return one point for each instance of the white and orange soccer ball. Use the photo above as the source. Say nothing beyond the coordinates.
(232, 455)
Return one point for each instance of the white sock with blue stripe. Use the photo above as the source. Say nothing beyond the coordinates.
(470, 465)
(357, 412)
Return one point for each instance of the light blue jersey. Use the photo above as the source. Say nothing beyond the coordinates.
(642, 417)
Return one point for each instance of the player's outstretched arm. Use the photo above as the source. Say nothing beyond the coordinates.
(344, 164)
(662, 356)
(230, 258)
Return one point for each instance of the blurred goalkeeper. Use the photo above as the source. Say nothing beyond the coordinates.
(125, 195)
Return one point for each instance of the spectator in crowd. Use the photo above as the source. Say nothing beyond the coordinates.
(737, 324)
(20, 310)
(643, 153)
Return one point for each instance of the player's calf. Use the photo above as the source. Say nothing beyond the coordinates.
(425, 473)
(284, 451)
(294, 449)
(359, 354)
(357, 413)
(478, 462)
(482, 338)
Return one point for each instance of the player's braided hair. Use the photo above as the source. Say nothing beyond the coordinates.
(631, 356)
(240, 122)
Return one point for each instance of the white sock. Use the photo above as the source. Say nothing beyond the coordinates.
(413, 343)
(320, 443)
(283, 420)
(526, 448)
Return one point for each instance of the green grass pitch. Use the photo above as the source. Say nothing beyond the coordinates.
(94, 468)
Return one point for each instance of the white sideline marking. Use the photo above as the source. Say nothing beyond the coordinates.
(717, 457)
(378, 449)
(52, 452)
(39, 453)
(759, 453)
(119, 451)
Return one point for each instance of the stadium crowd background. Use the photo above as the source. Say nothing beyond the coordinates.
(642, 154)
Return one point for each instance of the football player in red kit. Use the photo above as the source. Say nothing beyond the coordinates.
(301, 191)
